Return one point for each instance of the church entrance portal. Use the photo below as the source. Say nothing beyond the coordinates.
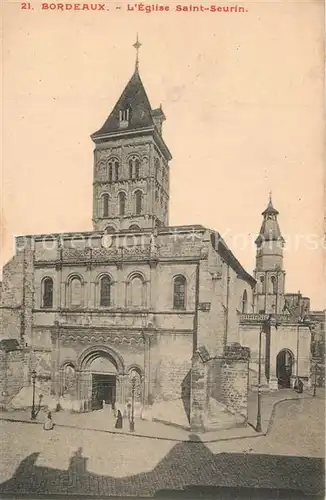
(284, 364)
(103, 390)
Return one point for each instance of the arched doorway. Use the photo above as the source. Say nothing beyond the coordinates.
(284, 366)
(100, 368)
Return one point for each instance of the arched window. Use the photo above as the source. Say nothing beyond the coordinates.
(137, 168)
(105, 198)
(105, 291)
(273, 285)
(122, 203)
(138, 202)
(47, 292)
(136, 291)
(110, 229)
(134, 227)
(131, 169)
(244, 302)
(179, 292)
(113, 169)
(134, 167)
(75, 289)
(262, 284)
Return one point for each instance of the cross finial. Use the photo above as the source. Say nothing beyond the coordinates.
(137, 46)
(270, 196)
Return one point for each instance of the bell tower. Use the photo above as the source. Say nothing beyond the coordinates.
(131, 163)
(269, 273)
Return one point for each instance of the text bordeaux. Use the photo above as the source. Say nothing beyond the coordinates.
(146, 8)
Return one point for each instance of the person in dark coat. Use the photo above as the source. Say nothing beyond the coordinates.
(300, 386)
(118, 423)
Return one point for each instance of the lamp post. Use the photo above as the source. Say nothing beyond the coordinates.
(133, 386)
(33, 413)
(258, 425)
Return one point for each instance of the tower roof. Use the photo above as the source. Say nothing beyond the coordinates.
(270, 230)
(270, 208)
(135, 99)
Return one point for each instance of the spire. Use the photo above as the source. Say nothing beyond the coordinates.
(270, 230)
(137, 46)
(270, 210)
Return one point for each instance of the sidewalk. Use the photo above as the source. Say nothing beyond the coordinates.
(103, 421)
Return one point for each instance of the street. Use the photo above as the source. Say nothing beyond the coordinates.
(76, 461)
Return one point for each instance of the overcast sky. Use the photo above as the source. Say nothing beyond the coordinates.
(243, 97)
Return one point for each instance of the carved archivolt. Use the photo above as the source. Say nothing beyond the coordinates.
(95, 339)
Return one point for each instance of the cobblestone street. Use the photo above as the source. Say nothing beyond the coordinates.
(75, 461)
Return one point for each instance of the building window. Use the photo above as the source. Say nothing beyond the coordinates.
(113, 169)
(179, 292)
(122, 203)
(136, 292)
(134, 167)
(262, 284)
(75, 289)
(105, 199)
(110, 229)
(138, 202)
(244, 307)
(273, 285)
(124, 115)
(47, 292)
(105, 291)
(137, 168)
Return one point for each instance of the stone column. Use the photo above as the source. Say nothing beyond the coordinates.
(273, 382)
(147, 368)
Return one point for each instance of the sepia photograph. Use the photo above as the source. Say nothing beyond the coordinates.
(163, 274)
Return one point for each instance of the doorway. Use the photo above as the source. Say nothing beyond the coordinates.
(103, 389)
(284, 365)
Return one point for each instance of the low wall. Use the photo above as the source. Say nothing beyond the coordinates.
(11, 374)
(223, 379)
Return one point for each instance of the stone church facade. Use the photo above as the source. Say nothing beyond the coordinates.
(137, 296)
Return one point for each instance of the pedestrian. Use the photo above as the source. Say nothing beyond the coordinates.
(300, 386)
(48, 424)
(129, 411)
(118, 423)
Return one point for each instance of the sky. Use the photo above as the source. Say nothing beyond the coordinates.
(243, 97)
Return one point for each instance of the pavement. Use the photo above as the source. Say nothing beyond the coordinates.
(288, 462)
(104, 421)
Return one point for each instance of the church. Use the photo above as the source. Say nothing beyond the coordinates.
(137, 301)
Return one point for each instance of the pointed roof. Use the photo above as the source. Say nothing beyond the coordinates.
(270, 230)
(270, 210)
(135, 98)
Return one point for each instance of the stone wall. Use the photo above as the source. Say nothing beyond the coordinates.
(229, 379)
(224, 379)
(11, 374)
(173, 365)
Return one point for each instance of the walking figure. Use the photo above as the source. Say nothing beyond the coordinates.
(48, 424)
(118, 423)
